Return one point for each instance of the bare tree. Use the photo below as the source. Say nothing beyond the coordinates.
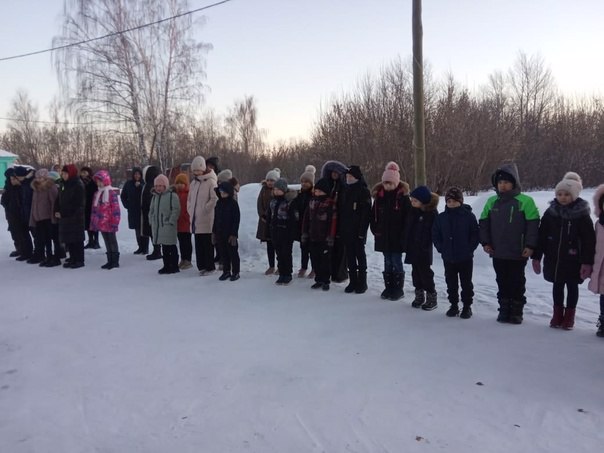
(242, 124)
(23, 136)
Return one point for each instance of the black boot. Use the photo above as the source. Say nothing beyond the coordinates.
(353, 275)
(166, 267)
(420, 298)
(504, 310)
(453, 311)
(156, 253)
(396, 288)
(144, 245)
(116, 259)
(431, 301)
(139, 250)
(516, 311)
(466, 311)
(600, 332)
(387, 284)
(361, 286)
(109, 263)
(173, 259)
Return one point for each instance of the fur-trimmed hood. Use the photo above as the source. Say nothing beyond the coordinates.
(333, 165)
(598, 194)
(40, 184)
(379, 187)
(574, 210)
(434, 200)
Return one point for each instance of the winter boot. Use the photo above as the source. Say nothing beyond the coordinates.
(504, 310)
(453, 311)
(600, 332)
(173, 260)
(53, 261)
(420, 298)
(431, 301)
(516, 309)
(116, 259)
(353, 282)
(558, 316)
(569, 319)
(396, 289)
(166, 267)
(225, 276)
(388, 276)
(109, 263)
(466, 311)
(156, 253)
(361, 286)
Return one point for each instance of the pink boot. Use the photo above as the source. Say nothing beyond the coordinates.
(569, 319)
(558, 316)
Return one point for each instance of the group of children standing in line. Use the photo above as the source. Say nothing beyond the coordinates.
(330, 219)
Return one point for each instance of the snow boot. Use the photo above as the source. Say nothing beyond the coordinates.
(453, 311)
(569, 319)
(558, 316)
(600, 325)
(166, 267)
(353, 282)
(466, 311)
(388, 276)
(116, 259)
(224, 276)
(156, 253)
(420, 298)
(109, 263)
(516, 309)
(361, 285)
(504, 310)
(396, 288)
(431, 301)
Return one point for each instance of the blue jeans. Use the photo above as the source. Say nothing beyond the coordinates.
(393, 262)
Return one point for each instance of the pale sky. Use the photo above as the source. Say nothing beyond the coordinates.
(292, 55)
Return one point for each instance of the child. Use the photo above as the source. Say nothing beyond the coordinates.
(298, 208)
(69, 210)
(567, 240)
(105, 216)
(45, 193)
(131, 197)
(90, 189)
(319, 230)
(389, 213)
(455, 236)
(509, 226)
(355, 215)
(163, 218)
(150, 172)
(596, 284)
(226, 230)
(181, 185)
(200, 205)
(264, 198)
(419, 246)
(281, 227)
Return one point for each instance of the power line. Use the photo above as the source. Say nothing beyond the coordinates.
(65, 123)
(116, 33)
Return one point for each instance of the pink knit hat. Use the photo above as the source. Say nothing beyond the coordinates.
(392, 173)
(161, 180)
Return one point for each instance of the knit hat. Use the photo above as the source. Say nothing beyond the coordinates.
(572, 184)
(454, 193)
(392, 173)
(504, 176)
(71, 170)
(21, 171)
(42, 173)
(161, 180)
(53, 175)
(355, 171)
(421, 194)
(281, 184)
(309, 174)
(182, 178)
(9, 173)
(224, 175)
(274, 174)
(199, 163)
(213, 161)
(226, 187)
(324, 185)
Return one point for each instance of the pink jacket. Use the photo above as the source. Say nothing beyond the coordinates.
(596, 284)
(106, 211)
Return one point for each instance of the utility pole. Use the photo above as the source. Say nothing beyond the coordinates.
(419, 128)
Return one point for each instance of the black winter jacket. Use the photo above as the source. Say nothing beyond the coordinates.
(356, 212)
(226, 218)
(419, 233)
(389, 216)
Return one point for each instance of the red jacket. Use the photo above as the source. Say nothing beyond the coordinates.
(184, 221)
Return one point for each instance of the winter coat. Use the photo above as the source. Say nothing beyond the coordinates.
(90, 189)
(163, 217)
(509, 221)
(319, 223)
(455, 234)
(131, 197)
(184, 220)
(280, 219)
(418, 232)
(264, 198)
(11, 201)
(106, 213)
(226, 218)
(149, 175)
(298, 207)
(43, 201)
(567, 240)
(355, 212)
(596, 284)
(201, 202)
(71, 204)
(389, 216)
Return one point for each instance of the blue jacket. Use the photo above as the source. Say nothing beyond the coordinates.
(455, 234)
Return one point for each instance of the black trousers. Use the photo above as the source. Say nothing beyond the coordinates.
(356, 259)
(423, 277)
(204, 252)
(43, 239)
(270, 253)
(304, 255)
(229, 255)
(320, 257)
(456, 273)
(572, 294)
(110, 240)
(511, 282)
(76, 251)
(186, 246)
(338, 260)
(23, 238)
(283, 250)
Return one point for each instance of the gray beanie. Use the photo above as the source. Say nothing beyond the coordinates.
(224, 175)
(281, 184)
(274, 174)
(199, 163)
(309, 174)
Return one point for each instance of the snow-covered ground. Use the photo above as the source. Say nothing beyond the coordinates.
(130, 361)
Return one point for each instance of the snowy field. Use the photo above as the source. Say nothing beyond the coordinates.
(130, 361)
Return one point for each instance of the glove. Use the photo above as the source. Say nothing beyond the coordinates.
(233, 241)
(585, 272)
(214, 239)
(330, 241)
(537, 266)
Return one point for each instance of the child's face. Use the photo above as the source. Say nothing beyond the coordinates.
(198, 172)
(278, 192)
(179, 186)
(388, 186)
(319, 193)
(416, 203)
(350, 179)
(270, 183)
(137, 176)
(99, 183)
(563, 197)
(335, 175)
(84, 174)
(64, 175)
(504, 186)
(14, 181)
(452, 204)
(305, 185)
(224, 194)
(159, 188)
